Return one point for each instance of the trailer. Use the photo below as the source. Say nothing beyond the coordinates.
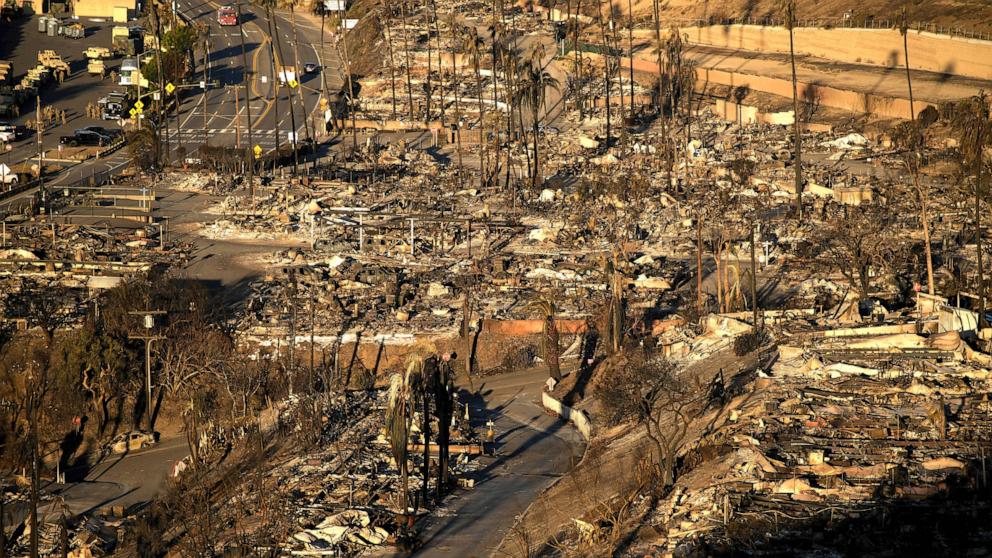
(74, 31)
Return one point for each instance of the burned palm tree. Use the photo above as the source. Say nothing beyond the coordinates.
(534, 83)
(399, 415)
(442, 384)
(456, 49)
(550, 339)
(420, 367)
(789, 7)
(971, 119)
(473, 45)
(615, 308)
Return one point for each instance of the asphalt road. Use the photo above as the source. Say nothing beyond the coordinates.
(126, 479)
(534, 449)
(219, 115)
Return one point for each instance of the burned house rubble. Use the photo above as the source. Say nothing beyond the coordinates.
(559, 279)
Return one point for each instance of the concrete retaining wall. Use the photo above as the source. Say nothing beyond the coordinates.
(882, 47)
(519, 328)
(854, 101)
(577, 418)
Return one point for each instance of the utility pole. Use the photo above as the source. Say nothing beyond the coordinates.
(148, 322)
(299, 87)
(41, 155)
(244, 83)
(289, 97)
(237, 119)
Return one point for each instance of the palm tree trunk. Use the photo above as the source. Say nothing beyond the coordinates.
(917, 140)
(425, 468)
(699, 263)
(719, 276)
(392, 63)
(299, 90)
(979, 176)
(244, 84)
(797, 127)
(351, 89)
(292, 110)
(275, 81)
(630, 51)
(606, 70)
(458, 116)
(437, 41)
(754, 281)
(483, 136)
(615, 31)
(578, 64)
(657, 38)
(406, 52)
(429, 90)
(537, 159)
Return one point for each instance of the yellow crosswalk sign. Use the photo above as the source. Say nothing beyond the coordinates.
(169, 88)
(139, 105)
(293, 83)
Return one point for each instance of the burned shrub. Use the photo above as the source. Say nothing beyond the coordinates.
(749, 342)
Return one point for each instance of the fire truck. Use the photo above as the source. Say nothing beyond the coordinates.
(227, 15)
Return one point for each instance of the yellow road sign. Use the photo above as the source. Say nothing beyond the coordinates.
(293, 83)
(169, 88)
(258, 150)
(132, 112)
(139, 105)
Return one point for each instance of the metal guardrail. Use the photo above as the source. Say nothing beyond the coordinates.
(836, 22)
(96, 179)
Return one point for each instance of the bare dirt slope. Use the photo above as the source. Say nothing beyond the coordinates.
(974, 15)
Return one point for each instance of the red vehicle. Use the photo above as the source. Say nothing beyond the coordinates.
(227, 15)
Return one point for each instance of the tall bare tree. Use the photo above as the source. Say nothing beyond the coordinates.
(916, 146)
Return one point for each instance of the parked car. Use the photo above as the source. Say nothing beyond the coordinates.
(131, 441)
(311, 68)
(82, 137)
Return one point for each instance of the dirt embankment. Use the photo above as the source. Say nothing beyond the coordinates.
(617, 462)
(973, 15)
(365, 40)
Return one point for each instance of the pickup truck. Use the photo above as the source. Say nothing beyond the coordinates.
(83, 138)
(10, 133)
